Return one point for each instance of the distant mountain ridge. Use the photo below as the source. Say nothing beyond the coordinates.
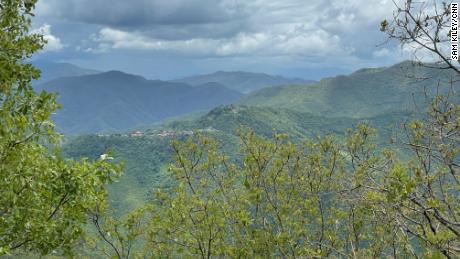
(244, 82)
(95, 101)
(54, 70)
(114, 100)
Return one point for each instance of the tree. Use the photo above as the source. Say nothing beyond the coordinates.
(426, 205)
(425, 27)
(43, 197)
(117, 238)
(280, 200)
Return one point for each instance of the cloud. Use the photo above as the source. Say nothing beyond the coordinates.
(53, 42)
(416, 52)
(287, 40)
(382, 53)
(344, 33)
(411, 51)
(235, 27)
(134, 13)
(108, 38)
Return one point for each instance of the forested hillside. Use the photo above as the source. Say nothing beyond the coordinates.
(147, 155)
(364, 93)
(387, 102)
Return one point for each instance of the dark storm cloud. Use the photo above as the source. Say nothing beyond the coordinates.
(190, 31)
(346, 29)
(267, 34)
(145, 13)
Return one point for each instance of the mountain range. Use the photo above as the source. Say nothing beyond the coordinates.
(383, 97)
(114, 100)
(243, 82)
(111, 101)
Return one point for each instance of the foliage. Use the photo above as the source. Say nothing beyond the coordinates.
(43, 197)
(315, 199)
(116, 237)
(145, 162)
(284, 200)
(429, 210)
(422, 195)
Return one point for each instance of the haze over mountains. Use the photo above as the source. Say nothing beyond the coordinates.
(113, 101)
(96, 101)
(243, 82)
(54, 70)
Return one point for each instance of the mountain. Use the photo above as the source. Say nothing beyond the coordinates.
(243, 82)
(331, 106)
(365, 93)
(115, 100)
(264, 121)
(54, 70)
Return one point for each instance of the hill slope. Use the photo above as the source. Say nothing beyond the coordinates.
(119, 101)
(146, 157)
(243, 82)
(365, 93)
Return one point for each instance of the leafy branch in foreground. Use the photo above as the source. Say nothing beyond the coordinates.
(423, 26)
(422, 195)
(43, 197)
(427, 208)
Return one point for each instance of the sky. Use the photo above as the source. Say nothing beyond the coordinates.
(166, 39)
